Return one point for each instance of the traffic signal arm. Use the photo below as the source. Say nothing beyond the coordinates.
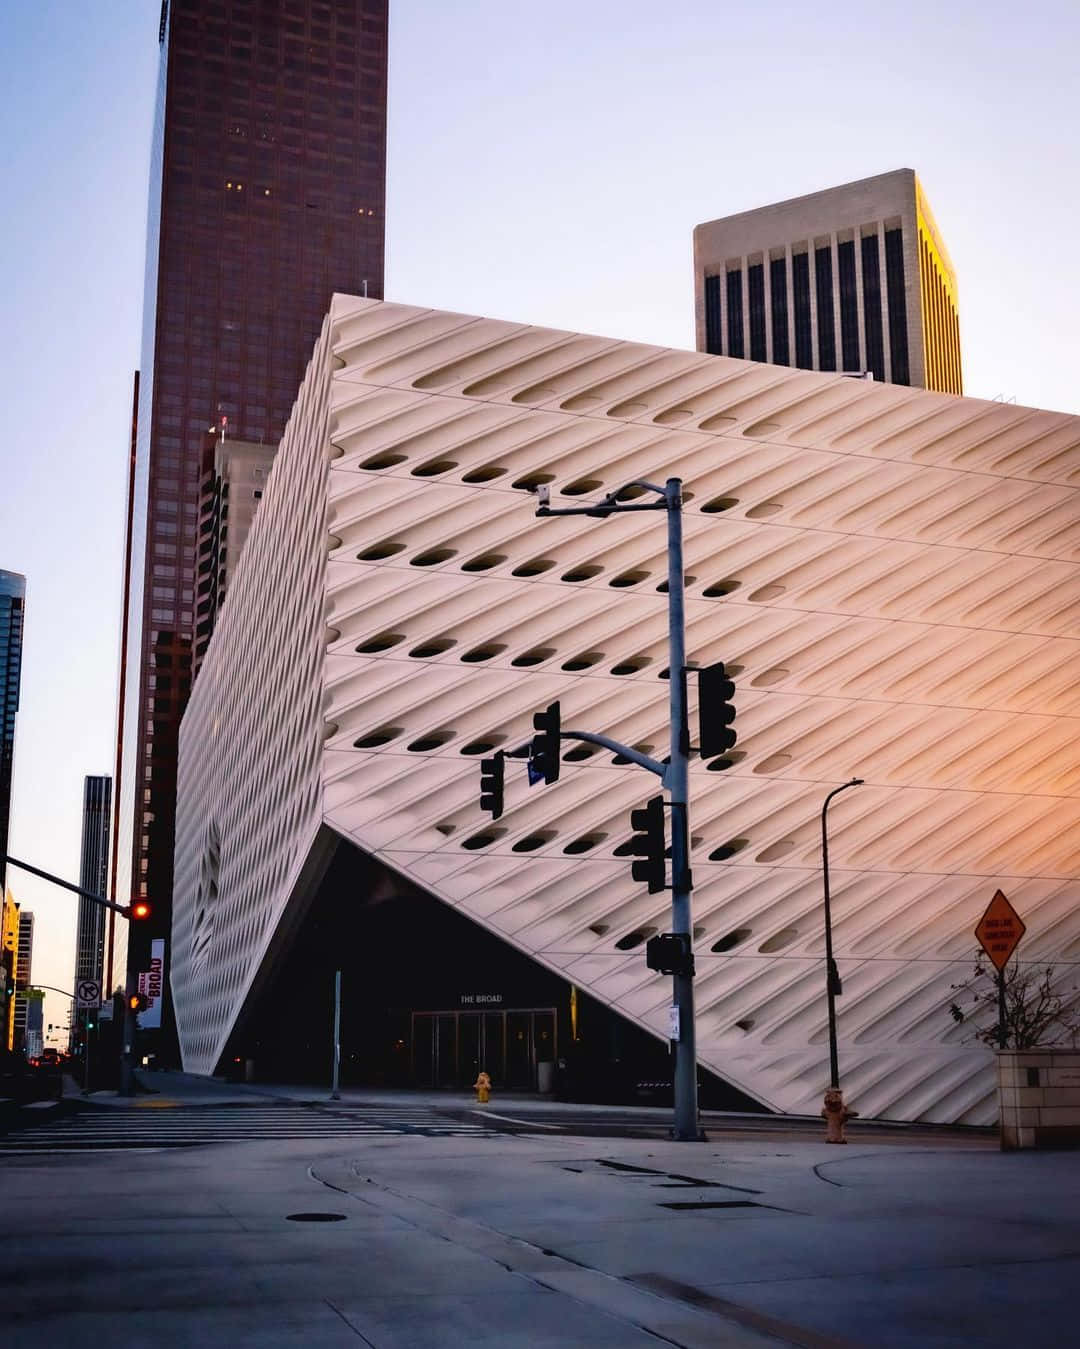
(123, 909)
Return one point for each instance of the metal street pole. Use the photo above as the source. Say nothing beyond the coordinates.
(674, 776)
(335, 1094)
(832, 974)
(686, 1099)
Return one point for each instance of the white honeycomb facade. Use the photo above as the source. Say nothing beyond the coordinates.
(893, 574)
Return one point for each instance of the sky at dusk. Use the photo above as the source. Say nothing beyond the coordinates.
(546, 163)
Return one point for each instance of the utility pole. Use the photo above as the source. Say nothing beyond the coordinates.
(674, 777)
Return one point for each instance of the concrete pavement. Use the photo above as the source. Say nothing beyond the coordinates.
(540, 1241)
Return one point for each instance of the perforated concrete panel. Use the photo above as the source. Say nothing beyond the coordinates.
(891, 573)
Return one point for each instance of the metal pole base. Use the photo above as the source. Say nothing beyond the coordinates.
(677, 1136)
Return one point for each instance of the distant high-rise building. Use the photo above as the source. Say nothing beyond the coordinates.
(12, 605)
(855, 278)
(233, 481)
(93, 875)
(24, 955)
(267, 195)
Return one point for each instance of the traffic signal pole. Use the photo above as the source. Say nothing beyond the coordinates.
(138, 909)
(675, 777)
(686, 1126)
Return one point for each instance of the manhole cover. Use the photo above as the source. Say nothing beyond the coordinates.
(315, 1217)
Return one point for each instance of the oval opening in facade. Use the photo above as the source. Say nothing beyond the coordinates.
(483, 474)
(479, 653)
(387, 460)
(484, 562)
(635, 938)
(382, 736)
(435, 647)
(382, 642)
(732, 939)
(779, 940)
(584, 661)
(427, 743)
(433, 468)
(583, 573)
(378, 551)
(433, 557)
(534, 567)
(536, 656)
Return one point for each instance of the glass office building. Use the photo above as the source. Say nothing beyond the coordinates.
(854, 279)
(12, 606)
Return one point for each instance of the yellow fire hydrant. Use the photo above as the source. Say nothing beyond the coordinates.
(483, 1088)
(836, 1114)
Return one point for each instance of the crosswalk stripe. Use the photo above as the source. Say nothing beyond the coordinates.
(177, 1126)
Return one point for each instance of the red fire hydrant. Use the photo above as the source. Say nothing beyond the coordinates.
(836, 1114)
(483, 1088)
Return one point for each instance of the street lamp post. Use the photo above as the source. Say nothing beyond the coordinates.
(832, 974)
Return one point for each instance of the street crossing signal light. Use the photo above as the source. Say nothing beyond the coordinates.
(670, 953)
(491, 784)
(545, 752)
(140, 910)
(716, 712)
(648, 844)
(138, 1002)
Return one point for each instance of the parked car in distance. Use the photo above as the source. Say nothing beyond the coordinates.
(22, 1081)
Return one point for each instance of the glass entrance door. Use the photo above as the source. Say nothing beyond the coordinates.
(515, 1048)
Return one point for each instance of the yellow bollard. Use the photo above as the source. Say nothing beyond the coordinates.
(483, 1088)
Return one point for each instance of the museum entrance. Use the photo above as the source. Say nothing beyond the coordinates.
(517, 1048)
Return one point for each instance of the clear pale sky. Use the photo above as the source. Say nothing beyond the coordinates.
(547, 163)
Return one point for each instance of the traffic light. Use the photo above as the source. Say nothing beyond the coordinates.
(648, 843)
(670, 953)
(491, 784)
(716, 712)
(140, 910)
(545, 751)
(138, 1002)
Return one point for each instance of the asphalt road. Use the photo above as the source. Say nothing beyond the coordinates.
(406, 1231)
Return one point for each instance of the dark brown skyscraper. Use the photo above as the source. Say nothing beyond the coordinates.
(267, 194)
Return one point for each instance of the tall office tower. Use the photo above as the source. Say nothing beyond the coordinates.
(267, 194)
(12, 604)
(855, 278)
(93, 875)
(234, 477)
(23, 957)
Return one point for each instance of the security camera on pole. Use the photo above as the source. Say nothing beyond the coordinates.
(676, 958)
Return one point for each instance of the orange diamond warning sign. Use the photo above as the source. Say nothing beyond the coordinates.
(999, 930)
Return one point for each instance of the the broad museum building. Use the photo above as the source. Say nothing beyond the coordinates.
(890, 575)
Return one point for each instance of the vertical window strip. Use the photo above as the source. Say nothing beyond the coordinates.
(804, 335)
(714, 339)
(756, 283)
(849, 306)
(734, 315)
(897, 306)
(781, 348)
(871, 277)
(826, 318)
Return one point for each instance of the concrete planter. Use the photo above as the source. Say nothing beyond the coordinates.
(1039, 1097)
